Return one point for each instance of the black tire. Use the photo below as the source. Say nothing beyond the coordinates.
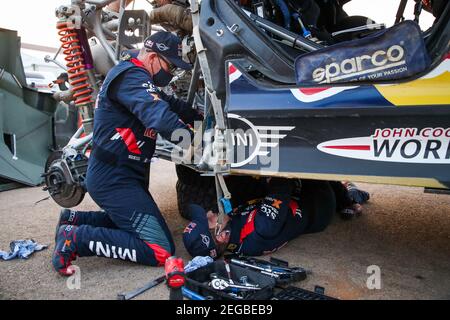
(192, 188)
(319, 202)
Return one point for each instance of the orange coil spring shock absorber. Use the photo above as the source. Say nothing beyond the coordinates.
(78, 78)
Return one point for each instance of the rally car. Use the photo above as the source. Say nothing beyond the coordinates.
(325, 96)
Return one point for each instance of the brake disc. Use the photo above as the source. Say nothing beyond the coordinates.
(60, 182)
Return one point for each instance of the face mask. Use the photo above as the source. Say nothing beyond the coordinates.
(162, 78)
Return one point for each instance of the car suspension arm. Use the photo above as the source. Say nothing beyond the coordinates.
(220, 144)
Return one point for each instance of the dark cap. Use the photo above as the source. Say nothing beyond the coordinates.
(169, 46)
(196, 236)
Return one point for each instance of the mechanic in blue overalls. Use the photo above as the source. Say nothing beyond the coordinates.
(262, 226)
(131, 111)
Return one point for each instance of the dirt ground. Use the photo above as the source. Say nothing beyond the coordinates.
(403, 231)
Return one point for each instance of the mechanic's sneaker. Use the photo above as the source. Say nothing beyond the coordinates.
(357, 195)
(66, 216)
(65, 250)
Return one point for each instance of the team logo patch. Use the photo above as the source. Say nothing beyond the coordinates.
(148, 44)
(269, 210)
(407, 145)
(150, 87)
(205, 239)
(190, 227)
(162, 47)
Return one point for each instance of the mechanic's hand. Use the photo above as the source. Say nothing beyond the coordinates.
(196, 116)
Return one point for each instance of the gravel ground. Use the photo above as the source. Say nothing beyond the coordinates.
(403, 231)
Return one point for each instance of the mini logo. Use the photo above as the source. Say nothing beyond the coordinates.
(162, 47)
(260, 140)
(206, 240)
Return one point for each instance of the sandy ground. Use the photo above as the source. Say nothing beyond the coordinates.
(403, 231)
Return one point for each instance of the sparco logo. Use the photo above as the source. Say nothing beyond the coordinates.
(361, 66)
(407, 145)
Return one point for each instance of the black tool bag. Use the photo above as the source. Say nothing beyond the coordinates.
(391, 54)
(198, 280)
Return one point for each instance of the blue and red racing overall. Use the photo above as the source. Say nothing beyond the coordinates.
(131, 111)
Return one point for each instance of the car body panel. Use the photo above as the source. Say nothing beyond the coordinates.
(395, 133)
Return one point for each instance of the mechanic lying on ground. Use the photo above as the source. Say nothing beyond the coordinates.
(263, 226)
(131, 111)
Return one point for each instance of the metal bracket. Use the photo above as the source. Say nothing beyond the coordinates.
(134, 27)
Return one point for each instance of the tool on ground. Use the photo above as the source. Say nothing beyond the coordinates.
(191, 295)
(174, 268)
(274, 268)
(227, 268)
(294, 293)
(221, 284)
(130, 295)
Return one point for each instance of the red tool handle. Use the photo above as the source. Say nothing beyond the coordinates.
(174, 268)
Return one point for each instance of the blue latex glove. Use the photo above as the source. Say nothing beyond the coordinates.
(197, 263)
(21, 249)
